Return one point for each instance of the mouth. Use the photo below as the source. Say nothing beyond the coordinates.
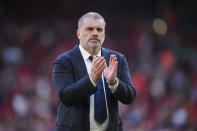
(94, 40)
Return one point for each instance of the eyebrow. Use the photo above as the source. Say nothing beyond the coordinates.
(99, 28)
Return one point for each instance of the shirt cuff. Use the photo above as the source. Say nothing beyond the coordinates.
(114, 87)
(92, 81)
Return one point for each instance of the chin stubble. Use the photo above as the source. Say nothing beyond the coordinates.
(95, 49)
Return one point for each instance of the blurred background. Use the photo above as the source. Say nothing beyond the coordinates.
(158, 38)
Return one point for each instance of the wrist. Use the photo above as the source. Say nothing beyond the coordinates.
(92, 78)
(114, 82)
(94, 83)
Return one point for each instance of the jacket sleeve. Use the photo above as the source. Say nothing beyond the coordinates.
(70, 90)
(125, 91)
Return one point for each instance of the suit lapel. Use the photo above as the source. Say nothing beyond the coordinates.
(106, 55)
(78, 60)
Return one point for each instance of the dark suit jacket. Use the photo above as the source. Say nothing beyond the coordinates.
(74, 89)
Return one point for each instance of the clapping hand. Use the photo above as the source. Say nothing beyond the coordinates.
(111, 71)
(98, 65)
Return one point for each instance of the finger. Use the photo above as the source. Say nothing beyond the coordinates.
(97, 60)
(102, 68)
(114, 58)
(105, 64)
(101, 65)
(116, 64)
(98, 65)
(110, 60)
(116, 67)
(112, 55)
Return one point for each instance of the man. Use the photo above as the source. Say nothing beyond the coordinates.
(90, 80)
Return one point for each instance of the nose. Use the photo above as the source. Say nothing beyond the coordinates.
(95, 32)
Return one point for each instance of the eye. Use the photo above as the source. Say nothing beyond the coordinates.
(99, 29)
(89, 28)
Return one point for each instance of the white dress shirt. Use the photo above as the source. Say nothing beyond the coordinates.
(95, 126)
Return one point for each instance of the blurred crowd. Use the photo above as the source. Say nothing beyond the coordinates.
(161, 57)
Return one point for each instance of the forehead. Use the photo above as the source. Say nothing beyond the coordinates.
(91, 22)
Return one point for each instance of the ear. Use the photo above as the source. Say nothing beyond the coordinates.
(78, 33)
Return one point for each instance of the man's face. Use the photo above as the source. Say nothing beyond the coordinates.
(91, 33)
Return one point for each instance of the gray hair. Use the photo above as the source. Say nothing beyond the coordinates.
(93, 15)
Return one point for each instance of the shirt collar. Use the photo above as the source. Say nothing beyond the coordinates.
(85, 54)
